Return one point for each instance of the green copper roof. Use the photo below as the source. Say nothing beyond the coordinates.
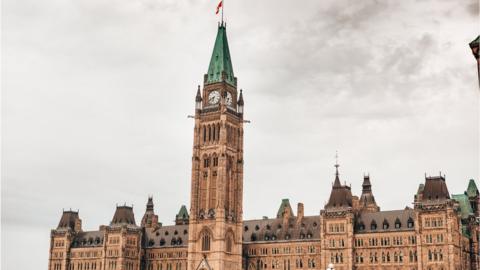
(472, 189)
(221, 60)
(465, 207)
(285, 204)
(183, 213)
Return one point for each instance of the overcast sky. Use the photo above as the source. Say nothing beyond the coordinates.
(96, 93)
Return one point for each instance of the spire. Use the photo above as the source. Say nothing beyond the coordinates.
(182, 216)
(367, 200)
(240, 98)
(198, 97)
(284, 208)
(337, 177)
(220, 67)
(149, 219)
(340, 196)
(472, 190)
(150, 203)
(366, 186)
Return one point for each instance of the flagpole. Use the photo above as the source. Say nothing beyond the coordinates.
(223, 7)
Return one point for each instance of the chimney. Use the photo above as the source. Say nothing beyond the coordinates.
(300, 212)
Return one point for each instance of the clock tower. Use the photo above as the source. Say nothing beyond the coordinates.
(215, 225)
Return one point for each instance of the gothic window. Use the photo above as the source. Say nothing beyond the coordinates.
(215, 161)
(205, 236)
(373, 225)
(204, 134)
(214, 133)
(206, 162)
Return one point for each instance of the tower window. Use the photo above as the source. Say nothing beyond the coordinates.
(206, 162)
(215, 161)
(205, 241)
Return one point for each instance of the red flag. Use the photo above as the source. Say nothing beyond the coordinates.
(219, 6)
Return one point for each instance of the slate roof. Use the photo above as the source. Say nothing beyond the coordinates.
(88, 239)
(67, 221)
(435, 189)
(166, 236)
(123, 216)
(403, 217)
(271, 230)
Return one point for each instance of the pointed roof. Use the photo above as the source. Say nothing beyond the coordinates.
(198, 97)
(123, 216)
(435, 189)
(240, 98)
(367, 198)
(150, 203)
(284, 206)
(221, 62)
(68, 220)
(182, 216)
(341, 195)
(472, 190)
(183, 213)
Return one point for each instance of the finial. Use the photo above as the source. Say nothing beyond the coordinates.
(336, 162)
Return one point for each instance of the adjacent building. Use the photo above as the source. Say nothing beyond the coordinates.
(440, 231)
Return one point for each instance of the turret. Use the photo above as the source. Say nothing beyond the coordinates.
(198, 99)
(341, 195)
(123, 216)
(70, 221)
(149, 219)
(182, 217)
(240, 102)
(367, 200)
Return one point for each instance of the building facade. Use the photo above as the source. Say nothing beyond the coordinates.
(440, 232)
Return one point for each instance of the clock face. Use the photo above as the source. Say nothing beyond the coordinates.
(214, 97)
(229, 99)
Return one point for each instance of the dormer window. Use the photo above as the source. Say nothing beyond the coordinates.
(410, 223)
(398, 224)
(385, 225)
(373, 226)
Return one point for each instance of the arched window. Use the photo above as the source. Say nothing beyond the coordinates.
(205, 236)
(214, 133)
(204, 134)
(209, 133)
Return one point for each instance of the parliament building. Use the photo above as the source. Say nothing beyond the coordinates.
(440, 232)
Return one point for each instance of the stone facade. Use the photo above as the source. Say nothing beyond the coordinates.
(440, 231)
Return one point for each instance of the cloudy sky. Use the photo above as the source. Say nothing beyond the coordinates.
(95, 95)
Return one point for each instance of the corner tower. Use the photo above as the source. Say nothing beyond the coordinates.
(215, 222)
